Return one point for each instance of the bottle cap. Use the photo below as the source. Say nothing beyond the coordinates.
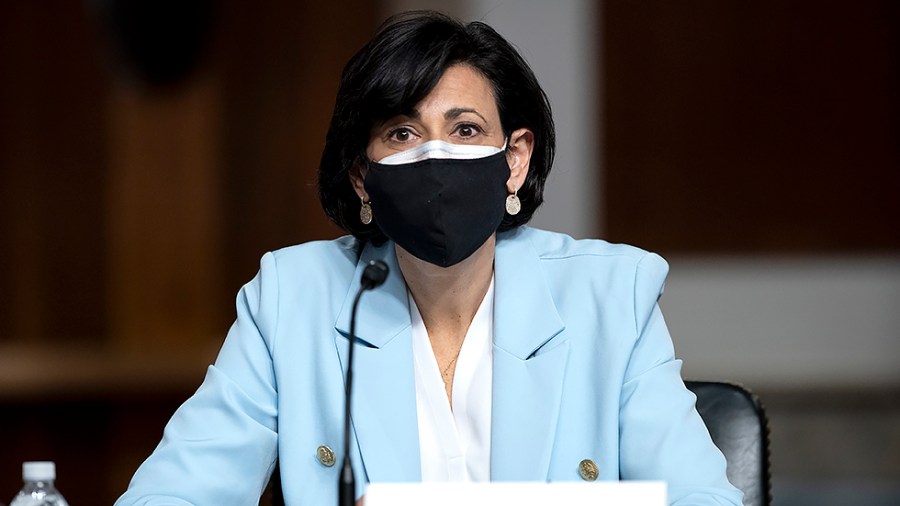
(39, 471)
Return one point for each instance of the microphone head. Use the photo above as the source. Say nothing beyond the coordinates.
(374, 274)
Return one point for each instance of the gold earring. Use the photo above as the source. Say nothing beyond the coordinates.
(365, 212)
(513, 204)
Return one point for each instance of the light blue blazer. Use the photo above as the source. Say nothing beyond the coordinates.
(584, 368)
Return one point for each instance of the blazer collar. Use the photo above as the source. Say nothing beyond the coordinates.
(383, 408)
(529, 363)
(525, 315)
(384, 311)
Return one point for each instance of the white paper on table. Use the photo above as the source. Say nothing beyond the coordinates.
(607, 493)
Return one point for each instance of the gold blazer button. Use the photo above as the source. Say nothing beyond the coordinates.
(588, 470)
(325, 456)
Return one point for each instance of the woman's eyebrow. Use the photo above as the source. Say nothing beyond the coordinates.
(457, 111)
(414, 114)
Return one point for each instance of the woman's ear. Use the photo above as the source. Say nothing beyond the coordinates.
(518, 155)
(358, 178)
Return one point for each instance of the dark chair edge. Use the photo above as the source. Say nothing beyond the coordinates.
(764, 426)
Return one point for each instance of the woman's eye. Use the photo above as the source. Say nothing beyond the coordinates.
(400, 135)
(468, 130)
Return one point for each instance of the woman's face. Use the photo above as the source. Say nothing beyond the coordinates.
(460, 109)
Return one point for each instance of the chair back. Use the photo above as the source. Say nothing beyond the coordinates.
(738, 426)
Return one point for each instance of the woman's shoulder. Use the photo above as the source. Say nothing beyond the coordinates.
(558, 246)
(311, 260)
(590, 263)
(342, 249)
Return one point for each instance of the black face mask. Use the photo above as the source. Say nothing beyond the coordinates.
(439, 210)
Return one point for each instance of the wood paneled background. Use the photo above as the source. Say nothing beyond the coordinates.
(743, 127)
(132, 211)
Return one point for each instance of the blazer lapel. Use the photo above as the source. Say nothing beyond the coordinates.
(383, 408)
(529, 364)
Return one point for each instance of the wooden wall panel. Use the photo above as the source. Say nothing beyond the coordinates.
(164, 219)
(281, 78)
(752, 126)
(52, 163)
(131, 214)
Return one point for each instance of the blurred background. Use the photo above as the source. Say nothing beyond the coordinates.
(152, 151)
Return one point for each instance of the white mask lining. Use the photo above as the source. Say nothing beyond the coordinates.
(438, 149)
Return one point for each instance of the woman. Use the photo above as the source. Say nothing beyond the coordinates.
(492, 352)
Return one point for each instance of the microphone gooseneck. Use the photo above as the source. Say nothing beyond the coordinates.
(372, 277)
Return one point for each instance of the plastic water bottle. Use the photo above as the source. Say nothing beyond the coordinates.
(39, 489)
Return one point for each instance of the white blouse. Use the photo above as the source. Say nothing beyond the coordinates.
(455, 445)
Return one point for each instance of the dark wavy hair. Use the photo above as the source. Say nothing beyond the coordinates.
(396, 70)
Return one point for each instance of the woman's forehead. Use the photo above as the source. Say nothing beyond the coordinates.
(461, 89)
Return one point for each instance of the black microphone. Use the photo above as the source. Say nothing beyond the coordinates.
(372, 277)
